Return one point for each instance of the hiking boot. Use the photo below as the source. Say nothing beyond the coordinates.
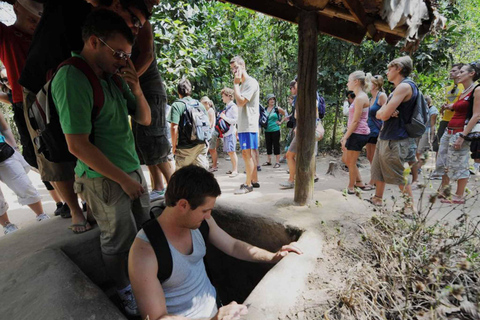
(58, 211)
(10, 228)
(244, 189)
(129, 303)
(157, 195)
(42, 217)
(65, 211)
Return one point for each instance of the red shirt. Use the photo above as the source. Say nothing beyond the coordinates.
(461, 109)
(13, 53)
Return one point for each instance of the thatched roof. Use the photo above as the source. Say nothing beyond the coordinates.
(352, 20)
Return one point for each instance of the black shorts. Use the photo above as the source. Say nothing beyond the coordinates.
(152, 150)
(356, 142)
(372, 140)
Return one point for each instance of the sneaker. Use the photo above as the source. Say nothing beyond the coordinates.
(58, 211)
(157, 195)
(243, 189)
(129, 303)
(233, 174)
(65, 211)
(42, 217)
(287, 185)
(283, 160)
(228, 159)
(213, 169)
(10, 228)
(255, 184)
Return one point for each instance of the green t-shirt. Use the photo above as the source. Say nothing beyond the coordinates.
(175, 115)
(73, 97)
(272, 125)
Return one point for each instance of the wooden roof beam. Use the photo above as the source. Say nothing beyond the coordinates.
(381, 26)
(358, 12)
(275, 9)
(341, 29)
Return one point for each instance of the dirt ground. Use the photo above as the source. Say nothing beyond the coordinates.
(339, 231)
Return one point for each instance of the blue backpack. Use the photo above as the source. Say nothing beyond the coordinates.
(321, 106)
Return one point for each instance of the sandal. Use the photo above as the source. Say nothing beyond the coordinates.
(213, 169)
(84, 225)
(366, 187)
(228, 172)
(454, 200)
(376, 201)
(350, 191)
(267, 164)
(277, 165)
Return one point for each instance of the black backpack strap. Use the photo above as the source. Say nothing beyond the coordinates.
(159, 243)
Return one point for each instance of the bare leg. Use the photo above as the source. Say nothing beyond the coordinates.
(277, 157)
(156, 177)
(291, 162)
(353, 173)
(234, 160)
(167, 169)
(65, 188)
(414, 170)
(256, 159)
(407, 189)
(4, 219)
(249, 165)
(37, 207)
(461, 185)
(214, 154)
(55, 196)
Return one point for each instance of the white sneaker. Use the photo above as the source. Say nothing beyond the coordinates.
(10, 228)
(157, 195)
(42, 217)
(129, 303)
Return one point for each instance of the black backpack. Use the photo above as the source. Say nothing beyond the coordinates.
(159, 243)
(42, 114)
(417, 124)
(263, 118)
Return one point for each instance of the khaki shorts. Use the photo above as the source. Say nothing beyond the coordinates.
(196, 155)
(451, 161)
(389, 161)
(49, 171)
(118, 217)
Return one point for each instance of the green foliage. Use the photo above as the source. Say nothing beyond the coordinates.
(197, 39)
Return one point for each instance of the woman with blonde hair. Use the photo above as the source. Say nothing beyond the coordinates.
(212, 144)
(377, 100)
(358, 131)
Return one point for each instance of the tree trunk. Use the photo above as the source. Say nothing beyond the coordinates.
(306, 106)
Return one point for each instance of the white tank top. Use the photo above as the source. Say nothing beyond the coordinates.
(188, 291)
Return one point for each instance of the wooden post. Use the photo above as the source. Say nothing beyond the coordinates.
(306, 106)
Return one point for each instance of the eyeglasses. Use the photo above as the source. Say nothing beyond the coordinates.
(120, 55)
(135, 20)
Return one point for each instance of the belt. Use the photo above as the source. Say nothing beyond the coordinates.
(453, 131)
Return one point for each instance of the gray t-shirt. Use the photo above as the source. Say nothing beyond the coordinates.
(248, 114)
(188, 291)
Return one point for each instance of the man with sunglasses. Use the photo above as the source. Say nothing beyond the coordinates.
(108, 174)
(57, 35)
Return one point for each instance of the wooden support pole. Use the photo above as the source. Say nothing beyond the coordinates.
(306, 106)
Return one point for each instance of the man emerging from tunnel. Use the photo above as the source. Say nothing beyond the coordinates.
(186, 290)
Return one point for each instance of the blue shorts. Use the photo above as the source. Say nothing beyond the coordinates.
(230, 143)
(248, 140)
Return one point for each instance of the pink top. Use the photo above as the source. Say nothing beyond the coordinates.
(362, 127)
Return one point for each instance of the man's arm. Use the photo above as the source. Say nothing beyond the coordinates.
(144, 42)
(174, 135)
(80, 146)
(401, 92)
(244, 251)
(240, 100)
(149, 294)
(7, 132)
(143, 114)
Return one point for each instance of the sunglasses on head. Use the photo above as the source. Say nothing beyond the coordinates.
(135, 20)
(120, 55)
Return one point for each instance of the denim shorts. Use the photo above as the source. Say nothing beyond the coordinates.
(230, 143)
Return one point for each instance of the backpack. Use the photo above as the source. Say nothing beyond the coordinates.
(321, 106)
(263, 119)
(292, 121)
(159, 243)
(417, 124)
(50, 140)
(195, 124)
(222, 126)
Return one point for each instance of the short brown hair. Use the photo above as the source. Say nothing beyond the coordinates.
(228, 92)
(405, 63)
(184, 87)
(239, 60)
